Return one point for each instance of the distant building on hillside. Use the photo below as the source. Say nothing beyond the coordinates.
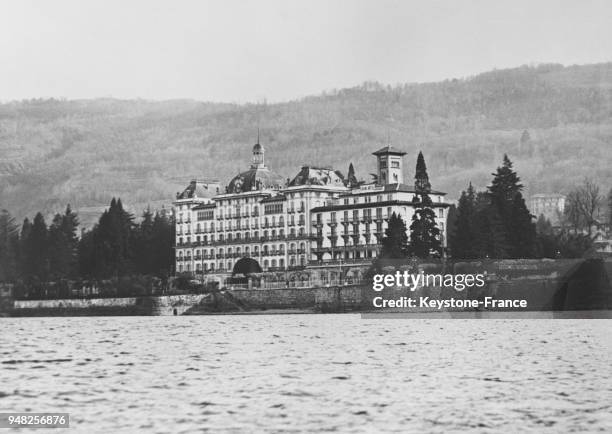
(551, 206)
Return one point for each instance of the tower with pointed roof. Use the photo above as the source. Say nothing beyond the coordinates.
(389, 165)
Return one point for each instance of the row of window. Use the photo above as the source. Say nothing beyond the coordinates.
(365, 213)
(292, 248)
(227, 266)
(246, 236)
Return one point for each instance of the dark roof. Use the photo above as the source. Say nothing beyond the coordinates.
(255, 179)
(198, 189)
(389, 150)
(310, 175)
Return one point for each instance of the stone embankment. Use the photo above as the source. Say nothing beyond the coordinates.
(546, 284)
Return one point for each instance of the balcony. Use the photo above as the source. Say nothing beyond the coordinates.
(346, 261)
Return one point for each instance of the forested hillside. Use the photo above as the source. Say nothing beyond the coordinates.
(54, 152)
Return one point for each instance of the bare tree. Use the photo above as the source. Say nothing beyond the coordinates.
(572, 215)
(583, 205)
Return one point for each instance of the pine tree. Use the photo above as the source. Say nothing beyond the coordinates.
(35, 254)
(59, 255)
(395, 241)
(63, 243)
(163, 241)
(490, 235)
(424, 233)
(26, 230)
(143, 246)
(9, 247)
(508, 202)
(70, 225)
(425, 237)
(463, 242)
(110, 246)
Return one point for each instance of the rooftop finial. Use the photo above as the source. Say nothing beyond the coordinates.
(257, 135)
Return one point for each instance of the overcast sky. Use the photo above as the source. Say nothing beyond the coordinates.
(239, 51)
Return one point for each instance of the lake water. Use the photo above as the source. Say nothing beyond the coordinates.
(280, 373)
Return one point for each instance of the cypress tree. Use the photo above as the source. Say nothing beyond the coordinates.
(395, 241)
(421, 183)
(351, 178)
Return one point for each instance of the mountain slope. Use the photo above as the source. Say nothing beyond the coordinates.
(84, 152)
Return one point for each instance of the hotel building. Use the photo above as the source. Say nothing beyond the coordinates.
(318, 219)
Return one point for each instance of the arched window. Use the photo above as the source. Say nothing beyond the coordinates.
(281, 263)
(265, 264)
(273, 263)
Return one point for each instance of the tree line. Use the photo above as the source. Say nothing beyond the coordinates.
(115, 247)
(496, 223)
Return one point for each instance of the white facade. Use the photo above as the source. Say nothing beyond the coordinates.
(314, 220)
